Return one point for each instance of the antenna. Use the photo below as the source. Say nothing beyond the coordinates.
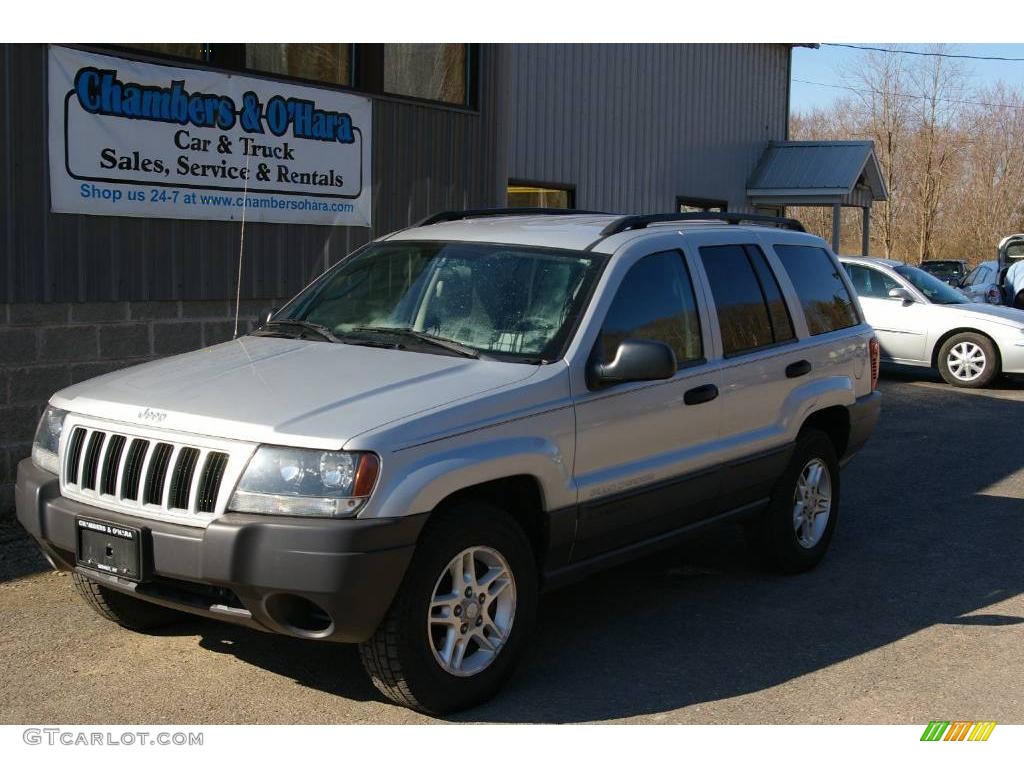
(241, 245)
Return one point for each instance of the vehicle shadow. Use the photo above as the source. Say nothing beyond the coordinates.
(895, 372)
(930, 534)
(333, 668)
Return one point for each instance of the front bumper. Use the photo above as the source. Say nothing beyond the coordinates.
(863, 418)
(315, 578)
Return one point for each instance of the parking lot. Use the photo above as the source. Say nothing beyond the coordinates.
(916, 614)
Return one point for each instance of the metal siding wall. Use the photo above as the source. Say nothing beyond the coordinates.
(633, 126)
(424, 159)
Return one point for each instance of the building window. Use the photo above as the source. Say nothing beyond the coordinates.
(701, 205)
(223, 55)
(194, 51)
(526, 194)
(433, 71)
(440, 72)
(322, 62)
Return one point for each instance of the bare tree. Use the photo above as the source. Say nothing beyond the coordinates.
(952, 157)
(939, 86)
(881, 112)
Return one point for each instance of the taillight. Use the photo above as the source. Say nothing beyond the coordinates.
(875, 351)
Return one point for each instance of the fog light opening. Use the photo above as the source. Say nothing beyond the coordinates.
(297, 614)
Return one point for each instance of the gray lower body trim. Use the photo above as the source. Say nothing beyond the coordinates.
(307, 577)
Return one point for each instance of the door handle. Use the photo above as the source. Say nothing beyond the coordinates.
(698, 395)
(797, 369)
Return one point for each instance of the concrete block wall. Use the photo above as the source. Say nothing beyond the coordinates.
(45, 347)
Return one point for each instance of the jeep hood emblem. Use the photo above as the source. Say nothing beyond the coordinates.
(148, 414)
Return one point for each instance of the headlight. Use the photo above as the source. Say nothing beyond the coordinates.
(298, 481)
(47, 439)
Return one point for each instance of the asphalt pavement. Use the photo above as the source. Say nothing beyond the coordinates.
(916, 614)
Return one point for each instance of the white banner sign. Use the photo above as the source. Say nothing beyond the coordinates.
(129, 138)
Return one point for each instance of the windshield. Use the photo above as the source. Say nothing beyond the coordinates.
(936, 291)
(509, 302)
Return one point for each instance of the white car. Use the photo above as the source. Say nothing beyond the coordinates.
(920, 320)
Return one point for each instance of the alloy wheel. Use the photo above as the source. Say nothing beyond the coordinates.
(812, 503)
(471, 611)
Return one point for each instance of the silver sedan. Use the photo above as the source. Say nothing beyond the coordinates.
(920, 320)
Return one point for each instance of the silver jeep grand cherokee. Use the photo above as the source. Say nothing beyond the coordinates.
(459, 416)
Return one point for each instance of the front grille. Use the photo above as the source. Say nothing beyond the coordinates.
(133, 469)
(158, 472)
(134, 473)
(209, 482)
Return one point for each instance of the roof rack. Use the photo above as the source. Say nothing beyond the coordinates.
(480, 213)
(627, 223)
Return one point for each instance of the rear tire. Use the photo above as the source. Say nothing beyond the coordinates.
(968, 360)
(794, 533)
(129, 612)
(432, 616)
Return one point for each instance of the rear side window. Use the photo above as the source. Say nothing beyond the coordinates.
(751, 311)
(827, 304)
(870, 283)
(655, 301)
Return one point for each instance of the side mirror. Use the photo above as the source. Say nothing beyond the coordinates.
(635, 360)
(902, 294)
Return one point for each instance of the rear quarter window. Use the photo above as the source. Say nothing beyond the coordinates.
(826, 302)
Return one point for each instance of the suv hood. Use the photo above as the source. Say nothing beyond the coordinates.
(286, 391)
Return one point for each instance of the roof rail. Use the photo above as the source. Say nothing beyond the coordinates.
(627, 223)
(480, 213)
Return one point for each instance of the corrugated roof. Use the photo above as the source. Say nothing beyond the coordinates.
(817, 169)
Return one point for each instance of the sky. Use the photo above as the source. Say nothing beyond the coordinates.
(825, 64)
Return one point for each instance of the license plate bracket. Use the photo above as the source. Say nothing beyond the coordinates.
(115, 550)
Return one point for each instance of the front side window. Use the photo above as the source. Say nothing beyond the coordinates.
(510, 302)
(827, 303)
(870, 283)
(655, 301)
(751, 311)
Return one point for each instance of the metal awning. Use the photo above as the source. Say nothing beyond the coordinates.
(832, 173)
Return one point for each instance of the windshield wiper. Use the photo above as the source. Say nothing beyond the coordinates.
(451, 346)
(321, 330)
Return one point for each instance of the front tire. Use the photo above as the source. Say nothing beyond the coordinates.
(129, 612)
(795, 531)
(968, 360)
(462, 616)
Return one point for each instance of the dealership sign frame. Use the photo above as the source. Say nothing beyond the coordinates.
(134, 138)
